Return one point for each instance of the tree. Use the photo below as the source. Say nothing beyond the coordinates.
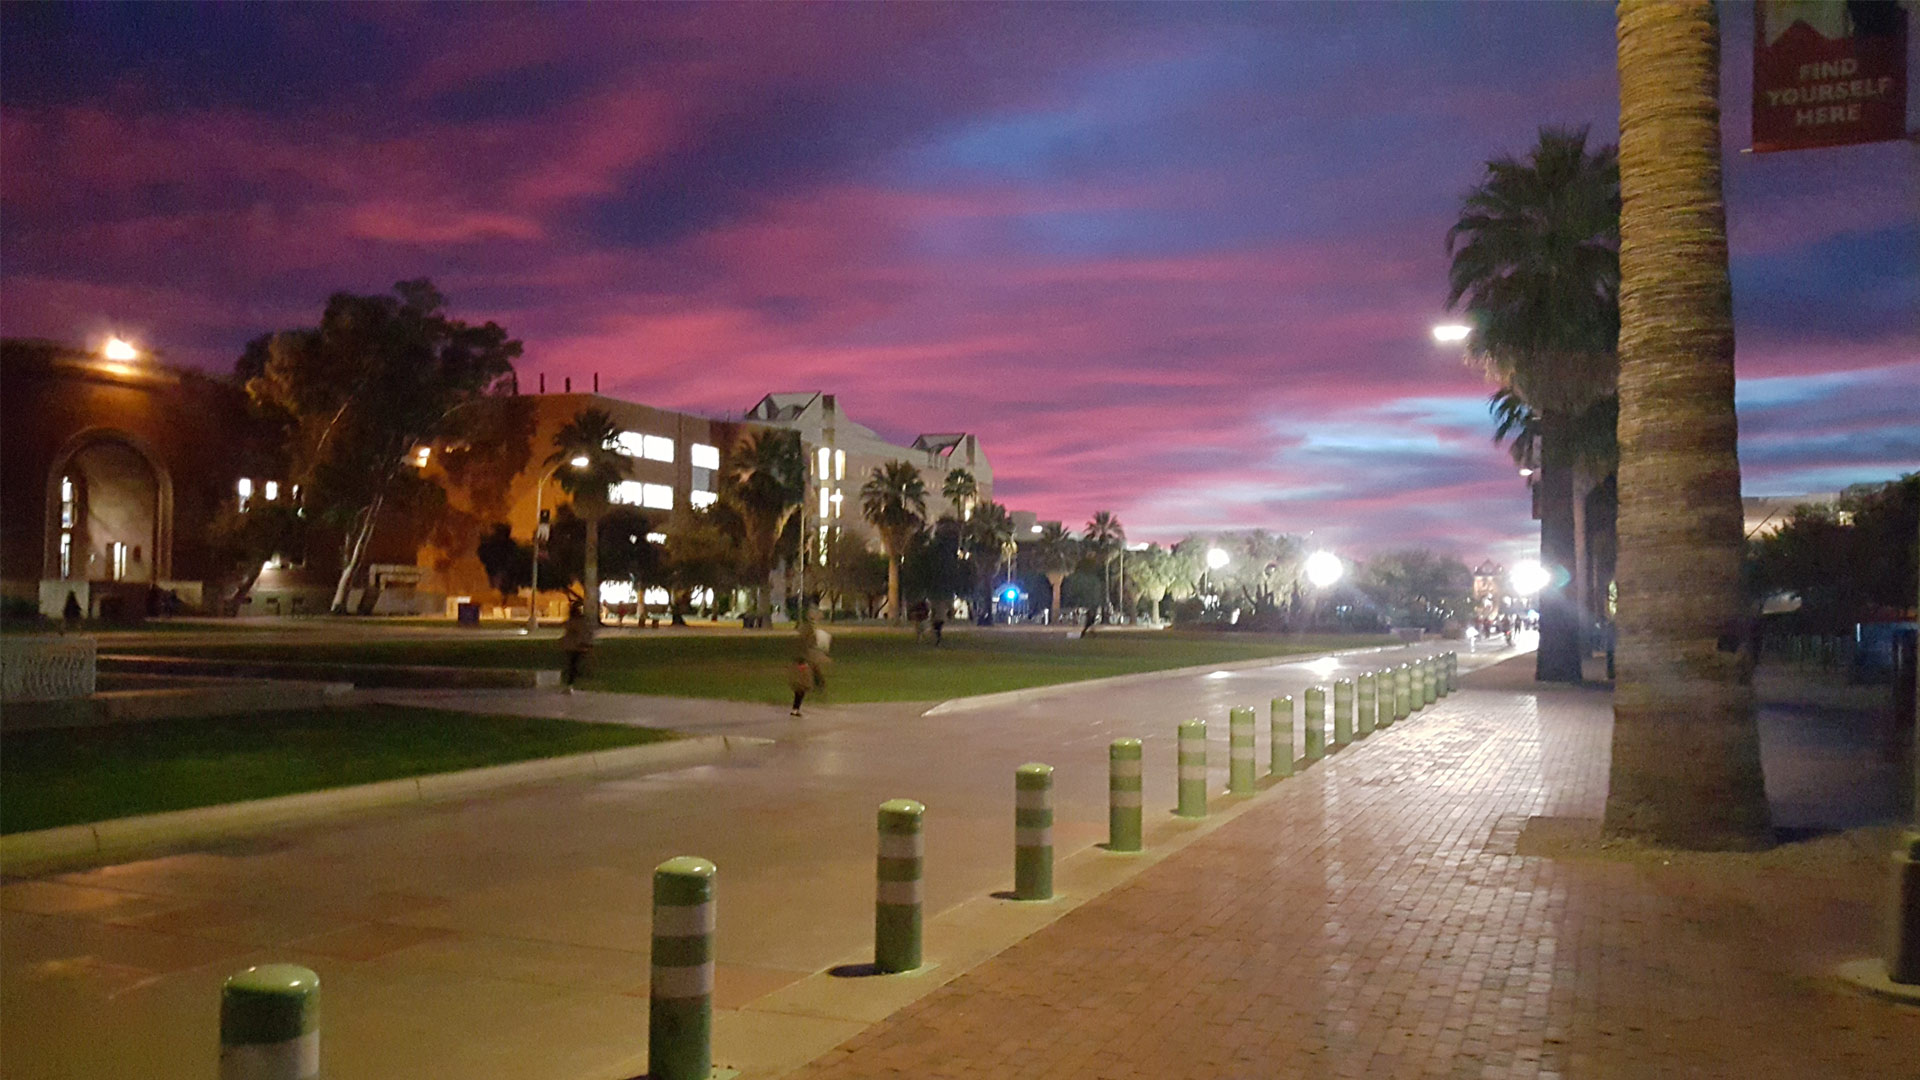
(989, 537)
(1152, 572)
(762, 481)
(854, 568)
(1594, 452)
(508, 562)
(240, 543)
(701, 553)
(894, 501)
(1418, 586)
(1846, 564)
(625, 552)
(1057, 553)
(589, 437)
(1535, 260)
(1104, 539)
(355, 395)
(960, 489)
(1686, 748)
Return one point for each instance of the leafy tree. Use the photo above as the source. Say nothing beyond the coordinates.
(854, 568)
(762, 483)
(1686, 748)
(355, 395)
(508, 562)
(241, 542)
(1418, 586)
(589, 437)
(1848, 563)
(1152, 572)
(1104, 539)
(1535, 261)
(702, 553)
(625, 552)
(894, 501)
(930, 570)
(1056, 553)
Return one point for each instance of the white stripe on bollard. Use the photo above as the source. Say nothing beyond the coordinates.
(898, 892)
(683, 982)
(1036, 837)
(902, 846)
(272, 1061)
(683, 921)
(1032, 799)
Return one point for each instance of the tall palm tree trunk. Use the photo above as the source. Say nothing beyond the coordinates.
(893, 588)
(591, 571)
(1686, 750)
(1559, 657)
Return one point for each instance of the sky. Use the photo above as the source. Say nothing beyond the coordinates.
(1179, 262)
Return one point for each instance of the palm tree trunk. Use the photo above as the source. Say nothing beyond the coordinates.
(592, 568)
(893, 588)
(1582, 559)
(1686, 750)
(1559, 657)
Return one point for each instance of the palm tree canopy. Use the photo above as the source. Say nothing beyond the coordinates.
(763, 479)
(1105, 533)
(894, 500)
(1592, 442)
(590, 434)
(1056, 549)
(960, 488)
(1536, 263)
(990, 531)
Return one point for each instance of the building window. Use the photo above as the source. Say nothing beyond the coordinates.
(651, 447)
(118, 553)
(825, 503)
(839, 464)
(836, 500)
(656, 538)
(272, 490)
(626, 493)
(704, 456)
(66, 554)
(700, 500)
(821, 469)
(67, 502)
(656, 595)
(244, 488)
(822, 548)
(656, 496)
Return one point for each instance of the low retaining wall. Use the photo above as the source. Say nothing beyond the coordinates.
(387, 676)
(46, 668)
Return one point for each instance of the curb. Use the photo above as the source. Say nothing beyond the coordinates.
(70, 847)
(1008, 697)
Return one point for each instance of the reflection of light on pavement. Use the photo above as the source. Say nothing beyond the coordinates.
(1324, 666)
(1219, 674)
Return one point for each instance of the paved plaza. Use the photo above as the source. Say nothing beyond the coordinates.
(1428, 902)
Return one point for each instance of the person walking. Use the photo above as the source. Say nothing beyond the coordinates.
(576, 640)
(940, 619)
(800, 679)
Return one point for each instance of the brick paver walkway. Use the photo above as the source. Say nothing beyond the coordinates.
(1372, 919)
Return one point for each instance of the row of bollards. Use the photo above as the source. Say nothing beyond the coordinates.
(270, 1015)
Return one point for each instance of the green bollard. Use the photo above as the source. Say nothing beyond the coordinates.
(1453, 672)
(1430, 680)
(1280, 737)
(1123, 795)
(680, 998)
(1383, 717)
(270, 1024)
(1314, 717)
(1193, 769)
(1368, 715)
(1240, 751)
(1033, 832)
(1343, 712)
(1402, 692)
(897, 897)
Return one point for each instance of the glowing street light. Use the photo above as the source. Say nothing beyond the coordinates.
(1451, 333)
(579, 462)
(1217, 559)
(1529, 577)
(120, 349)
(1324, 568)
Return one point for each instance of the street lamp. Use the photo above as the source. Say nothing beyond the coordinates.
(578, 461)
(119, 349)
(1324, 568)
(1451, 333)
(1529, 577)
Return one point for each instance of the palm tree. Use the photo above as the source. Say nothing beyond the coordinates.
(1058, 553)
(990, 532)
(894, 501)
(764, 479)
(590, 435)
(961, 489)
(1595, 454)
(1536, 262)
(1104, 536)
(1686, 749)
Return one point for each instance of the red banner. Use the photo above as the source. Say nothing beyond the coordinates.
(1828, 73)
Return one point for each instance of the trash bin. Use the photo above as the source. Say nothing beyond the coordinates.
(468, 614)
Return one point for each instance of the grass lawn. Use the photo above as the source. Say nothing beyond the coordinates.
(869, 664)
(71, 775)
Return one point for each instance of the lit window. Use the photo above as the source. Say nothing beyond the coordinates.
(839, 464)
(656, 595)
(273, 490)
(244, 487)
(656, 448)
(617, 592)
(66, 554)
(420, 456)
(702, 479)
(821, 469)
(837, 497)
(66, 502)
(630, 443)
(823, 545)
(825, 507)
(704, 456)
(702, 499)
(656, 496)
(117, 551)
(656, 538)
(626, 493)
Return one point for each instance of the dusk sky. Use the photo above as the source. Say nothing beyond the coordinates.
(1179, 262)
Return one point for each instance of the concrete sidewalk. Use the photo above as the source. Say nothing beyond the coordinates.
(1438, 905)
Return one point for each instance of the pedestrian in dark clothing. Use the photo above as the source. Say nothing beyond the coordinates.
(799, 680)
(939, 621)
(71, 613)
(576, 639)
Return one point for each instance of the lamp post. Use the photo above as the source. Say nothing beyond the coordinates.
(539, 534)
(1217, 559)
(1324, 569)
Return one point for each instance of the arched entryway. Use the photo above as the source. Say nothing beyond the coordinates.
(109, 511)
